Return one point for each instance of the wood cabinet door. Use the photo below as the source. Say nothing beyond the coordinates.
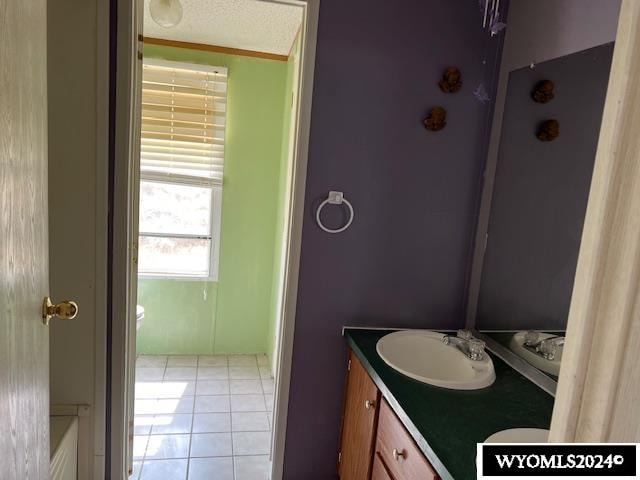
(358, 423)
(379, 471)
(398, 451)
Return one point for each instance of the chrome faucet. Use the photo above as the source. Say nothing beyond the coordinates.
(465, 342)
(546, 348)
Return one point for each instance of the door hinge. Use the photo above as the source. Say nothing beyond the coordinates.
(349, 366)
(339, 457)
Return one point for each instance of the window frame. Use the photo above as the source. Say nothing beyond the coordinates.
(214, 233)
(216, 197)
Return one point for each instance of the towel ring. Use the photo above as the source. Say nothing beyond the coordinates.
(335, 198)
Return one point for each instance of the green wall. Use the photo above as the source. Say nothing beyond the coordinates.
(234, 314)
(276, 293)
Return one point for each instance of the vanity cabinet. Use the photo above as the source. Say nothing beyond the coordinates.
(379, 471)
(398, 453)
(358, 423)
(374, 444)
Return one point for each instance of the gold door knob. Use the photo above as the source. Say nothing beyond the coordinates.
(65, 310)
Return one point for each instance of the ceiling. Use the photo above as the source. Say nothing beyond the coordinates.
(256, 25)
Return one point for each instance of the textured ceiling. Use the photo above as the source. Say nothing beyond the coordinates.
(247, 24)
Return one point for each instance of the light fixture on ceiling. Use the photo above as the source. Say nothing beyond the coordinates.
(166, 13)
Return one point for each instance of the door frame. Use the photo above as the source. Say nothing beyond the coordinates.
(599, 383)
(122, 244)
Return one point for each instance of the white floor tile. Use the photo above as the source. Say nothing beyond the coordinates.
(263, 360)
(151, 361)
(164, 405)
(174, 423)
(212, 387)
(251, 443)
(139, 446)
(270, 417)
(161, 389)
(167, 446)
(212, 361)
(211, 422)
(265, 372)
(211, 445)
(220, 468)
(213, 373)
(268, 385)
(253, 468)
(242, 361)
(180, 373)
(142, 424)
(249, 422)
(182, 361)
(164, 470)
(145, 406)
(176, 405)
(149, 374)
(248, 403)
(244, 373)
(212, 404)
(245, 386)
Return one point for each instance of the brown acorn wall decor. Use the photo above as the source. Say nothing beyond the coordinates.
(436, 119)
(548, 130)
(543, 91)
(451, 80)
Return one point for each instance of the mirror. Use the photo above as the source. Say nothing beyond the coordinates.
(551, 122)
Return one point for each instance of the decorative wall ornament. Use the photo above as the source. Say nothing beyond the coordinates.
(451, 80)
(481, 94)
(491, 14)
(436, 119)
(548, 130)
(543, 91)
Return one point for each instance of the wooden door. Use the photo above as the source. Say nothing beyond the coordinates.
(358, 423)
(24, 259)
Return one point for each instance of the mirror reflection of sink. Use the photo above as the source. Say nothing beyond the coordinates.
(552, 366)
(424, 356)
(520, 435)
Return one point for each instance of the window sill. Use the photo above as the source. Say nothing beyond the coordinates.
(186, 278)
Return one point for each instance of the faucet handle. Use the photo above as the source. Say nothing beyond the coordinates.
(476, 349)
(464, 334)
(548, 349)
(531, 338)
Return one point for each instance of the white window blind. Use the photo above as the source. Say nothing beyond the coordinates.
(183, 122)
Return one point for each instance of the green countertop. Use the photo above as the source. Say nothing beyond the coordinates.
(447, 424)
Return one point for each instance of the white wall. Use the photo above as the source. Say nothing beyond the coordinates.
(77, 212)
(537, 30)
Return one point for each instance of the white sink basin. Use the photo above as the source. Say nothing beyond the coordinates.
(421, 355)
(520, 435)
(541, 363)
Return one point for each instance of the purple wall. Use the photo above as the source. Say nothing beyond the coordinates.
(404, 261)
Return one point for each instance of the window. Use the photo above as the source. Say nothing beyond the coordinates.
(181, 167)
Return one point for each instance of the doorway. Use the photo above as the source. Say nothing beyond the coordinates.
(213, 199)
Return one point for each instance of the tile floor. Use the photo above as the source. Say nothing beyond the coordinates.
(203, 417)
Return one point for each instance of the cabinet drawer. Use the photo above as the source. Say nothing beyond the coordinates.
(380, 471)
(408, 462)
